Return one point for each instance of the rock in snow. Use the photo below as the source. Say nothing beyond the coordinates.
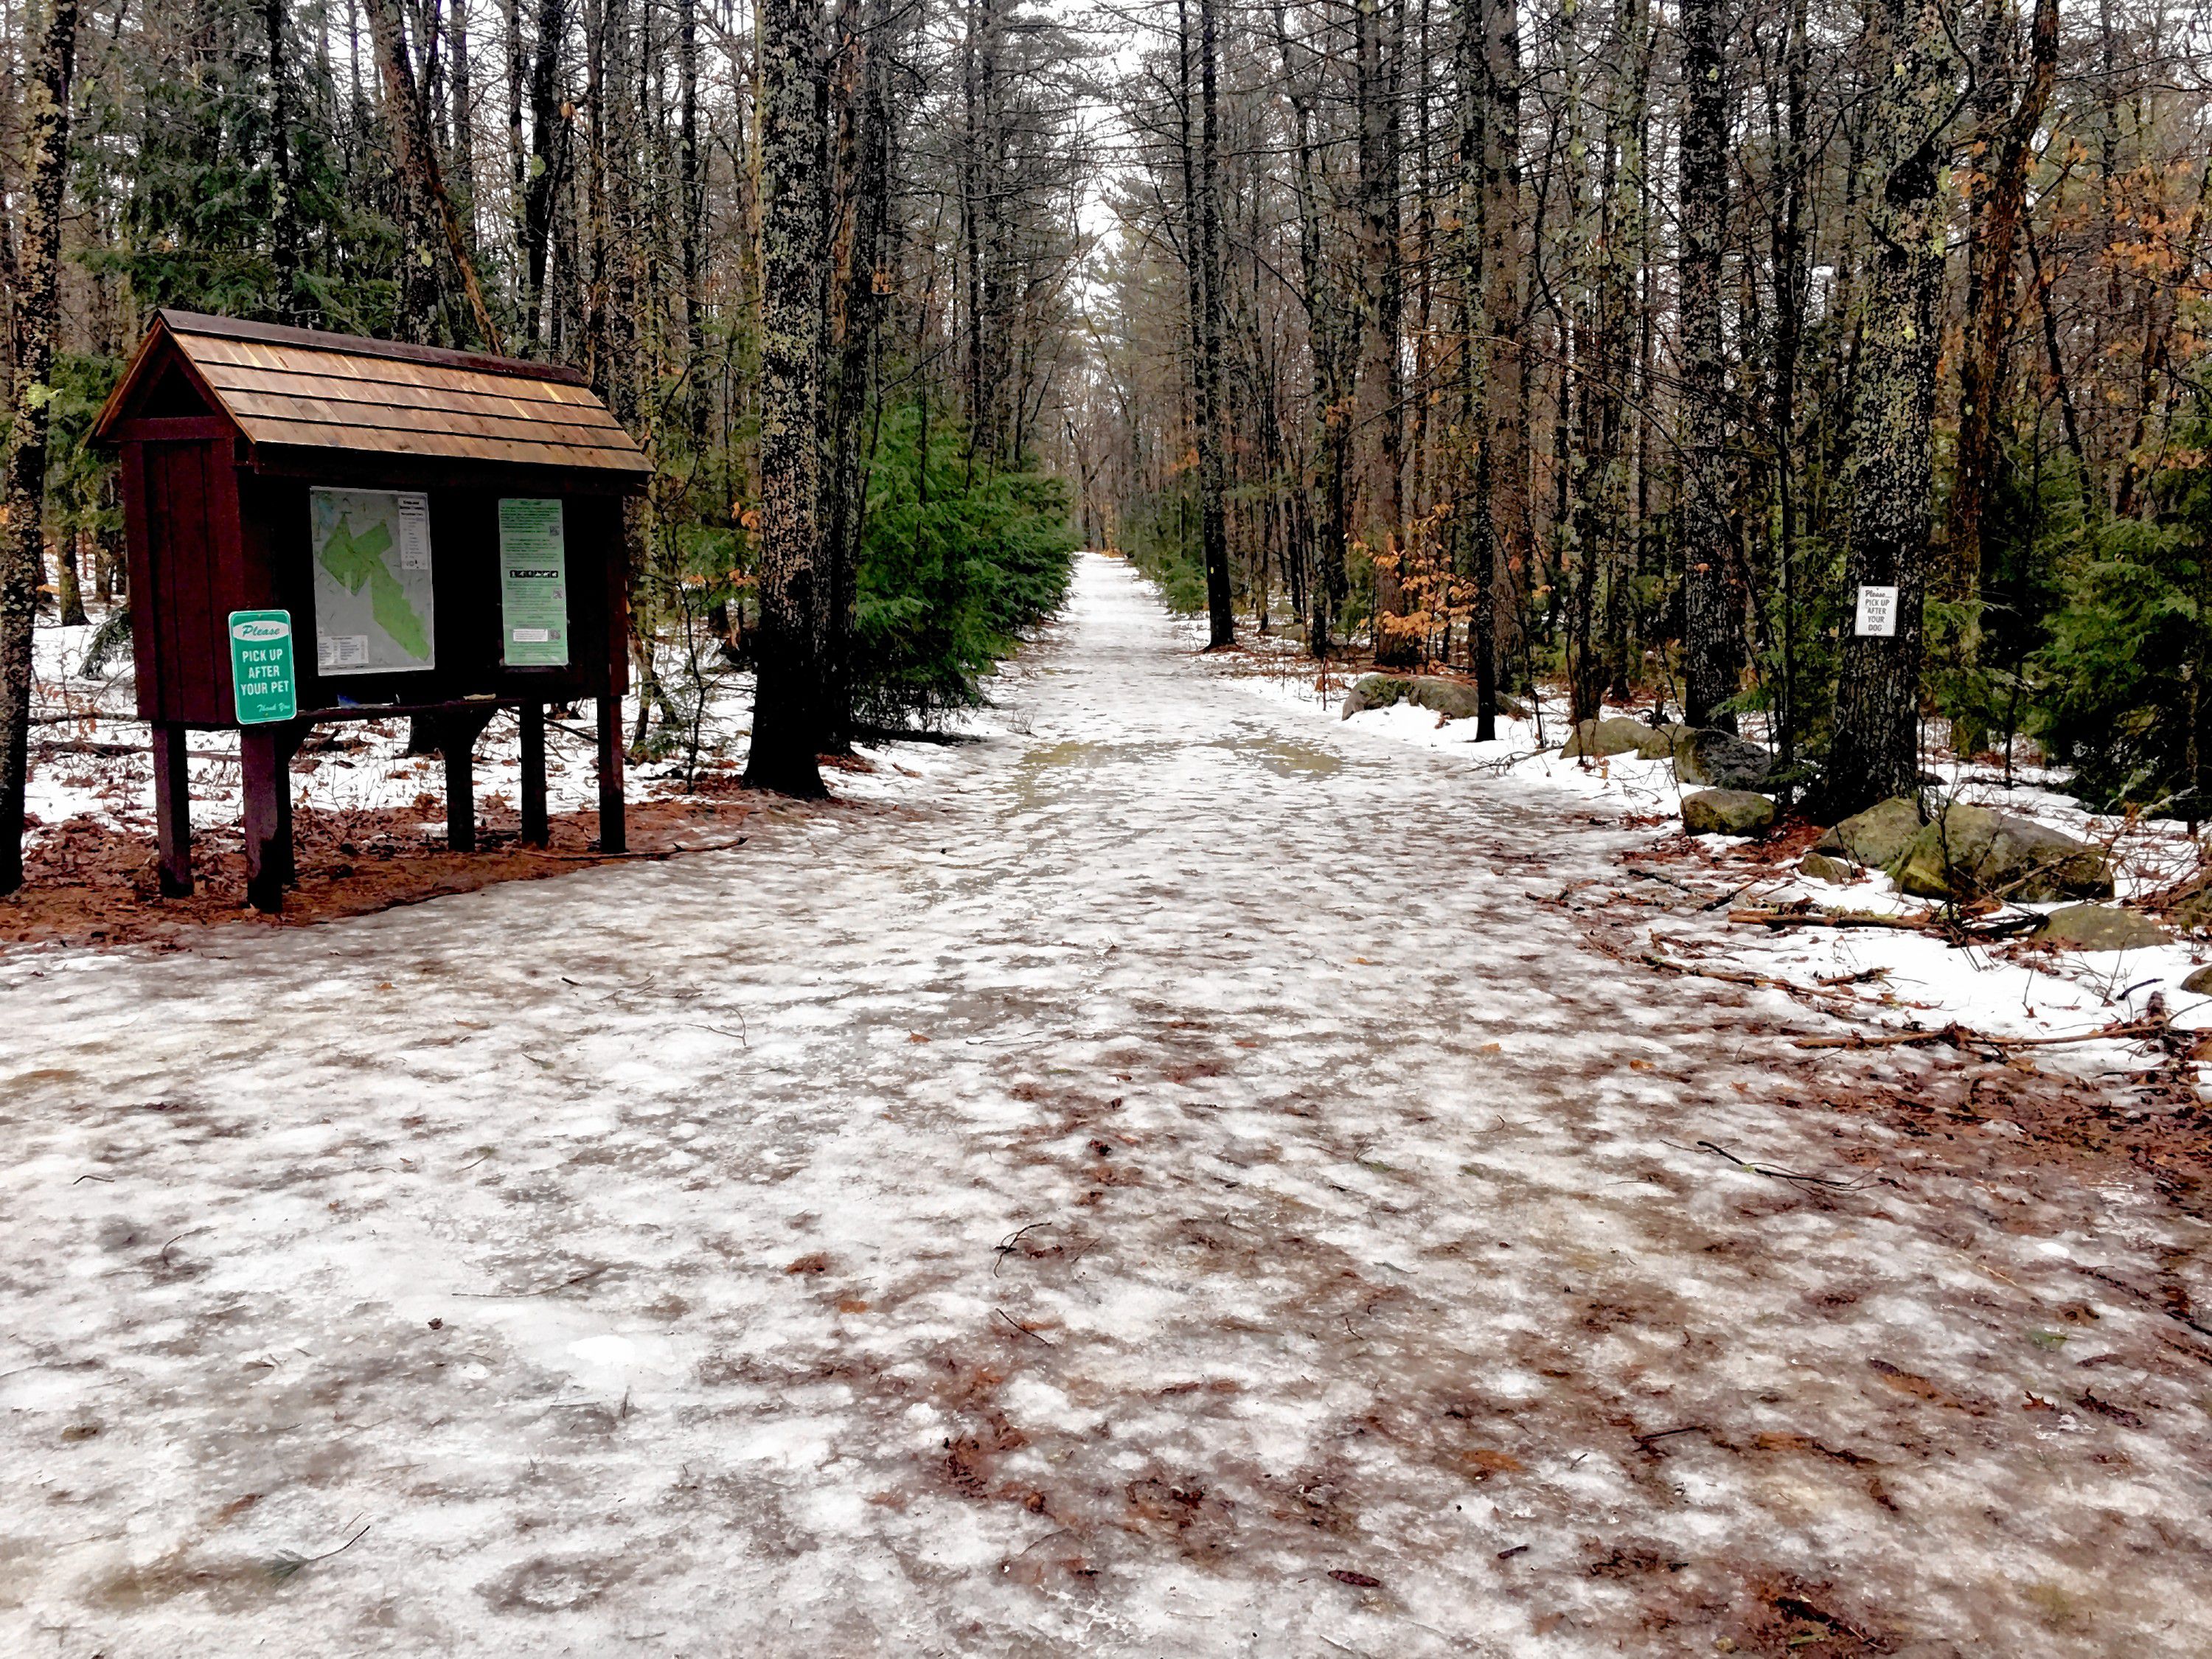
(1453, 699)
(1727, 813)
(1968, 850)
(2102, 927)
(1718, 760)
(1617, 735)
(1872, 839)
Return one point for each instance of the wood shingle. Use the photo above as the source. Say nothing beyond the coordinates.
(291, 389)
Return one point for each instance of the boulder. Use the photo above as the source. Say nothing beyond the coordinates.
(1874, 839)
(1374, 691)
(1969, 850)
(1456, 700)
(1727, 813)
(1617, 736)
(1718, 760)
(1453, 699)
(1819, 866)
(2192, 911)
(2199, 983)
(2101, 927)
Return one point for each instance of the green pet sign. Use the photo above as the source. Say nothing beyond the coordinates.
(261, 678)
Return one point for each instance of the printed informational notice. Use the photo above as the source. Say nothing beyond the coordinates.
(373, 612)
(534, 583)
(1877, 612)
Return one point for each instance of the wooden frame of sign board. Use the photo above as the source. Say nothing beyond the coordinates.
(227, 430)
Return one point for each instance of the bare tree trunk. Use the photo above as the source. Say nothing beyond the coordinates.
(1212, 535)
(69, 588)
(1381, 304)
(1712, 619)
(1875, 753)
(1989, 296)
(418, 157)
(1502, 468)
(283, 213)
(43, 117)
(465, 136)
(1788, 341)
(860, 204)
(1324, 355)
(548, 154)
(787, 646)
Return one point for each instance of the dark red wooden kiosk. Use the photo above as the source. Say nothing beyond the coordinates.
(443, 529)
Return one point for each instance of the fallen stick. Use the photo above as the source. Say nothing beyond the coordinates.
(1774, 1174)
(1023, 1328)
(650, 856)
(1667, 964)
(1778, 919)
(1956, 1035)
(1928, 921)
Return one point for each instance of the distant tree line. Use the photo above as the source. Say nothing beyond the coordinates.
(1618, 345)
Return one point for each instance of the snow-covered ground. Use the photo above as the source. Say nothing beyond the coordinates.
(1179, 1183)
(82, 765)
(1903, 978)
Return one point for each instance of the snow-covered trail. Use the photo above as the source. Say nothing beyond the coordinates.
(1172, 1192)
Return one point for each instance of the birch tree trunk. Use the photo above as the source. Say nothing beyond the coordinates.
(787, 648)
(1888, 481)
(44, 122)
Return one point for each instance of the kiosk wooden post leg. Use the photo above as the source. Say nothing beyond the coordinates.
(614, 832)
(535, 830)
(261, 763)
(457, 736)
(173, 810)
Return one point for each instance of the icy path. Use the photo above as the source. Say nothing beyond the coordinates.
(1171, 1192)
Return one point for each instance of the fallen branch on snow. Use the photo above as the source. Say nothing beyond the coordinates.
(1956, 1035)
(1775, 1174)
(1928, 921)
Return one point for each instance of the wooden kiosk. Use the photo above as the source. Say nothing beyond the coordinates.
(328, 528)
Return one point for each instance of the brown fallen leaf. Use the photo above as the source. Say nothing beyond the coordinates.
(1918, 1387)
(1346, 1576)
(2119, 1415)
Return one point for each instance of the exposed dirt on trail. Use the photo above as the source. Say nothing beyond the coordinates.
(88, 883)
(1192, 1187)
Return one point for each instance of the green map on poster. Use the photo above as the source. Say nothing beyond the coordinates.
(374, 603)
(534, 583)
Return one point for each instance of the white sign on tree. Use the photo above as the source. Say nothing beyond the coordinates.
(1878, 611)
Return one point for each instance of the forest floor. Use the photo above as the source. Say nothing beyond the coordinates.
(1181, 1175)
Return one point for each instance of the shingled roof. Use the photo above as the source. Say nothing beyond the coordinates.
(299, 388)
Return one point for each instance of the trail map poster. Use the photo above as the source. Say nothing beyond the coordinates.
(534, 583)
(374, 610)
